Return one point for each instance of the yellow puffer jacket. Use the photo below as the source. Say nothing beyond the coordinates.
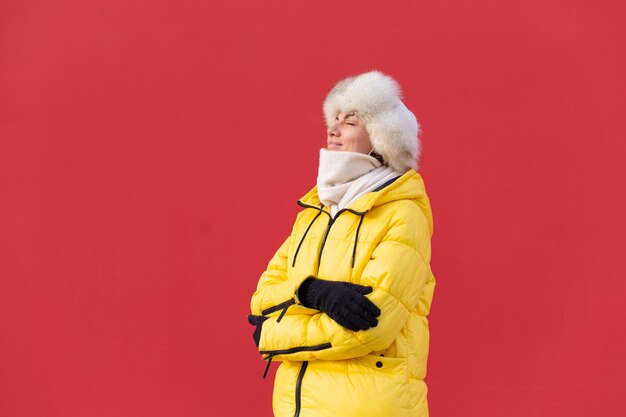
(382, 240)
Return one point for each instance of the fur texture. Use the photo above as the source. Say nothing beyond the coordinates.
(375, 98)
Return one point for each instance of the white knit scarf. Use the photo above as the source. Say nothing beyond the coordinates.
(344, 176)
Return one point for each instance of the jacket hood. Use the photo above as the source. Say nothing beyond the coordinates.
(410, 186)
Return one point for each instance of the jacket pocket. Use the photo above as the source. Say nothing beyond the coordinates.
(271, 353)
(297, 349)
(369, 386)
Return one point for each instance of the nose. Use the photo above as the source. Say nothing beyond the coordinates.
(333, 130)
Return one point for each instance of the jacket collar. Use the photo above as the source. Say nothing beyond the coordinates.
(410, 185)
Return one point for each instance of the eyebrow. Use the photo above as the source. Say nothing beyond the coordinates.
(352, 114)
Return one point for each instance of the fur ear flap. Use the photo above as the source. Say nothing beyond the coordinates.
(394, 136)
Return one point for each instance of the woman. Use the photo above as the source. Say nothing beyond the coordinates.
(345, 299)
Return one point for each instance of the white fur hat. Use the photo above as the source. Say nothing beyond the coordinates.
(375, 98)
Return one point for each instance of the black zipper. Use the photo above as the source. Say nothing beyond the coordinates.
(277, 307)
(272, 353)
(305, 364)
(297, 349)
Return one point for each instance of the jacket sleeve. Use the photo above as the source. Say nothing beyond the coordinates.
(397, 271)
(275, 291)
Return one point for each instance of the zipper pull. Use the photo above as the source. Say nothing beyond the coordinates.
(267, 367)
(287, 305)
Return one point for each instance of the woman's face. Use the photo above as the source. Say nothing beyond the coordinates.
(348, 134)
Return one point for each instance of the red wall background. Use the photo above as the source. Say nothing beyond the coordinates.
(151, 153)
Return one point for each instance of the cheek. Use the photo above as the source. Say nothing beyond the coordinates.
(348, 141)
(363, 142)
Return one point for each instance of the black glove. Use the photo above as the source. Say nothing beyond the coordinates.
(258, 322)
(344, 302)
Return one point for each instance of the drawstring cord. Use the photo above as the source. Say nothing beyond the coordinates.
(332, 219)
(356, 239)
(295, 256)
